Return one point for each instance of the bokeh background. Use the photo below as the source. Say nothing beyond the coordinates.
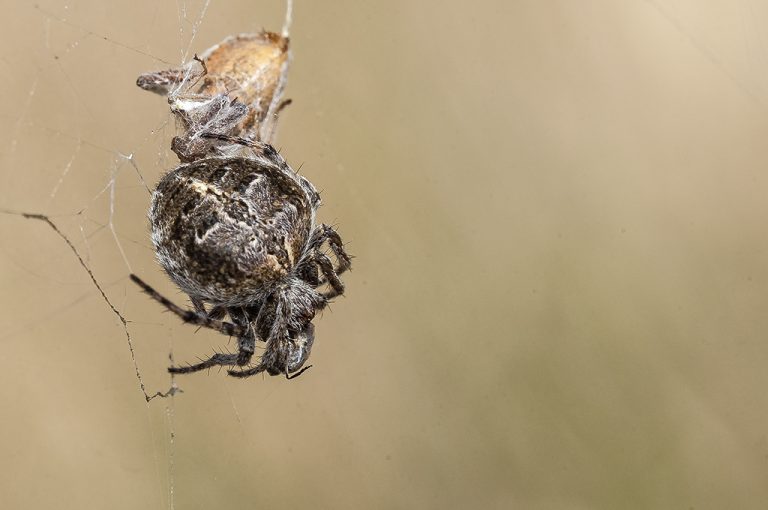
(559, 298)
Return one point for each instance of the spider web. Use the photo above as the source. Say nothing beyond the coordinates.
(81, 150)
(510, 342)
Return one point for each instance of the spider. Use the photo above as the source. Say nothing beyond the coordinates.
(239, 234)
(234, 225)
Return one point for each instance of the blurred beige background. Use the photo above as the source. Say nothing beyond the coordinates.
(559, 296)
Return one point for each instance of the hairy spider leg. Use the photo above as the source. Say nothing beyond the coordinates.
(246, 348)
(320, 235)
(218, 359)
(246, 344)
(326, 266)
(242, 374)
(189, 316)
(337, 247)
(216, 312)
(246, 337)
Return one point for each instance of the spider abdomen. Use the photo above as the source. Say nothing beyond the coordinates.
(227, 230)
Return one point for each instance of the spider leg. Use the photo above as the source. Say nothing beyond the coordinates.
(326, 233)
(283, 353)
(199, 305)
(246, 347)
(273, 360)
(242, 374)
(216, 359)
(296, 374)
(246, 344)
(326, 266)
(216, 312)
(337, 246)
(188, 316)
(269, 362)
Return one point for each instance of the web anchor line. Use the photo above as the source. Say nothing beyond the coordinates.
(47, 220)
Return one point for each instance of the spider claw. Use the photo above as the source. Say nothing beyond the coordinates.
(297, 374)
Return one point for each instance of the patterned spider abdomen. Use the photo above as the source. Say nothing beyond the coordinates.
(229, 230)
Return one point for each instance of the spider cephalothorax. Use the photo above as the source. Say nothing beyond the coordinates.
(238, 235)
